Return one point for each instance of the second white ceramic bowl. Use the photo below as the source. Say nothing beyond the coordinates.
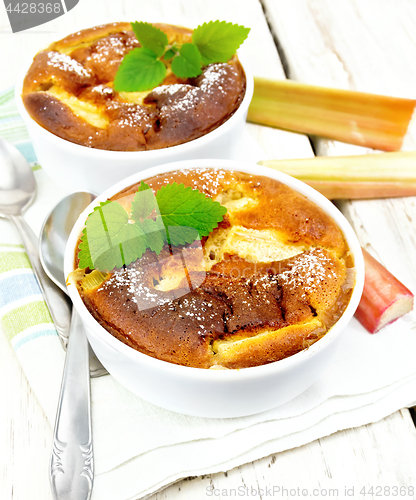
(78, 168)
(211, 393)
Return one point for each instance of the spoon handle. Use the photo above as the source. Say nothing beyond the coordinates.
(72, 465)
(56, 300)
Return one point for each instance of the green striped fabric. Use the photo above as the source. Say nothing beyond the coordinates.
(22, 318)
(12, 127)
(23, 313)
(14, 260)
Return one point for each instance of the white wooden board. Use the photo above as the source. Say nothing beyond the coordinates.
(380, 454)
(366, 46)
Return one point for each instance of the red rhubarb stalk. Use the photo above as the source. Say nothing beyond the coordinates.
(384, 298)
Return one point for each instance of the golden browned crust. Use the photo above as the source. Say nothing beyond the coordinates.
(69, 91)
(89, 35)
(269, 346)
(228, 310)
(275, 206)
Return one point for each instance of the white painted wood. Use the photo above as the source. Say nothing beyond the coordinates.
(25, 434)
(362, 46)
(371, 454)
(366, 46)
(367, 456)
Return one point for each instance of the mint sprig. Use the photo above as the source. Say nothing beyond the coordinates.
(188, 62)
(217, 42)
(150, 37)
(151, 72)
(144, 68)
(109, 240)
(176, 215)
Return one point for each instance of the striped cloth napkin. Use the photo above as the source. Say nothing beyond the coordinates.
(140, 448)
(24, 314)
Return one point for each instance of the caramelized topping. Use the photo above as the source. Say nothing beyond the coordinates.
(222, 303)
(69, 91)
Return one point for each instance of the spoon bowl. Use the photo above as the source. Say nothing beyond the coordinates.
(55, 232)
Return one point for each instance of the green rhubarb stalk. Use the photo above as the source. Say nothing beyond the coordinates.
(385, 175)
(369, 120)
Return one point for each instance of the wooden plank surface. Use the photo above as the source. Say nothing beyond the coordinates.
(357, 45)
(350, 460)
(381, 453)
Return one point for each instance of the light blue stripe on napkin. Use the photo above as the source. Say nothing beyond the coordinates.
(23, 312)
(17, 287)
(12, 127)
(24, 315)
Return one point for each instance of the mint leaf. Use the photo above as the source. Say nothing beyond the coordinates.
(112, 240)
(218, 41)
(180, 235)
(150, 37)
(128, 245)
(188, 63)
(169, 54)
(142, 68)
(109, 239)
(144, 203)
(143, 187)
(139, 70)
(155, 233)
(182, 206)
(84, 255)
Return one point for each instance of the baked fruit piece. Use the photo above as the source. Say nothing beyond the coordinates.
(270, 281)
(69, 91)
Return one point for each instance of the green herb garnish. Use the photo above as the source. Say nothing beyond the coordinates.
(176, 215)
(145, 67)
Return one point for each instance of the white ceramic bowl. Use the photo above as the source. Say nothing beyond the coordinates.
(211, 393)
(77, 168)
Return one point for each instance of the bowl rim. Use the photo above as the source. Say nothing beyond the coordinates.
(218, 376)
(164, 153)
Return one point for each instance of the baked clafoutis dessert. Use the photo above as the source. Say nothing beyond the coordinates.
(69, 91)
(270, 280)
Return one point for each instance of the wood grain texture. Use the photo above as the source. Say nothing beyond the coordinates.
(358, 46)
(356, 458)
(381, 453)
(25, 434)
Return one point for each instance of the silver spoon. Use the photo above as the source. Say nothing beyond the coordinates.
(54, 235)
(17, 191)
(72, 465)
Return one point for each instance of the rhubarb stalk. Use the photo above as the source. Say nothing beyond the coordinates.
(384, 175)
(384, 298)
(369, 120)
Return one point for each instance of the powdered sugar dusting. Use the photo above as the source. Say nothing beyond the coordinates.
(309, 271)
(130, 115)
(210, 86)
(213, 75)
(67, 64)
(210, 177)
(103, 90)
(139, 292)
(169, 89)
